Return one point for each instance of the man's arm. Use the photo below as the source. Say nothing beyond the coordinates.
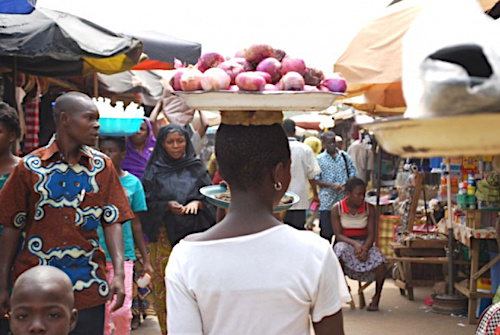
(113, 236)
(203, 124)
(9, 243)
(139, 243)
(314, 188)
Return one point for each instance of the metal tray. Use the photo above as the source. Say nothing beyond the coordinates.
(445, 136)
(263, 101)
(211, 191)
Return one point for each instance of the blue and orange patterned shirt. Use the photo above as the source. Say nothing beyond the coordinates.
(59, 207)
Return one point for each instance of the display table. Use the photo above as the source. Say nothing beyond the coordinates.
(471, 238)
(429, 252)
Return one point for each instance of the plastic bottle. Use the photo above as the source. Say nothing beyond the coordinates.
(471, 185)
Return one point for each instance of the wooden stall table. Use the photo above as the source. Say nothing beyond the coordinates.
(472, 238)
(420, 251)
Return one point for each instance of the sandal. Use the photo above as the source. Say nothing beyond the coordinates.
(372, 308)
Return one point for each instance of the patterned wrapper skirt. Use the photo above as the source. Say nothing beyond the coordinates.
(355, 268)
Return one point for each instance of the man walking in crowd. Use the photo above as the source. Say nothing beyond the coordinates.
(363, 159)
(57, 196)
(303, 169)
(336, 168)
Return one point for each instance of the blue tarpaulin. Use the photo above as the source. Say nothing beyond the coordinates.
(17, 6)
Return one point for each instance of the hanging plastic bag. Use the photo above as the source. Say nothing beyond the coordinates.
(439, 75)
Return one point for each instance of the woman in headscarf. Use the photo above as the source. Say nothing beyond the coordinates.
(139, 148)
(176, 208)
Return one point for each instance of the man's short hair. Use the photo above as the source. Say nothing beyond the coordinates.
(119, 140)
(289, 127)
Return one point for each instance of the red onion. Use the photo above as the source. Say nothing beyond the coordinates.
(191, 79)
(313, 76)
(240, 54)
(178, 64)
(265, 75)
(322, 88)
(292, 81)
(175, 81)
(279, 54)
(215, 79)
(310, 88)
(233, 88)
(232, 68)
(209, 60)
(270, 87)
(271, 66)
(250, 81)
(289, 64)
(243, 62)
(257, 52)
(335, 83)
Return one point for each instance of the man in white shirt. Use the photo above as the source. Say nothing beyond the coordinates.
(303, 169)
(363, 159)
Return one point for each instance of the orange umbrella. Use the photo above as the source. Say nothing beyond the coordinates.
(372, 63)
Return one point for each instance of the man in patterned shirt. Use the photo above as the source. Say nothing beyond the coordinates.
(336, 168)
(56, 197)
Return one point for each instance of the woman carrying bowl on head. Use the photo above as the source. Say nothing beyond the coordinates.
(176, 208)
(250, 273)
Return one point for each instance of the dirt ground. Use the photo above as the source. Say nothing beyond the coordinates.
(397, 315)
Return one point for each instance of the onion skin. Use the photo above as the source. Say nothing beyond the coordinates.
(175, 81)
(289, 64)
(191, 79)
(270, 87)
(335, 83)
(279, 54)
(250, 81)
(322, 88)
(257, 52)
(265, 75)
(310, 88)
(313, 76)
(215, 79)
(272, 66)
(232, 68)
(209, 60)
(243, 62)
(292, 81)
(233, 88)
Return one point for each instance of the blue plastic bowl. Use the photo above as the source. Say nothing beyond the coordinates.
(119, 126)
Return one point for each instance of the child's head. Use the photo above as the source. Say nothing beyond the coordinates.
(9, 127)
(114, 148)
(42, 302)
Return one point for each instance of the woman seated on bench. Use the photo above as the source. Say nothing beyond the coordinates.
(353, 222)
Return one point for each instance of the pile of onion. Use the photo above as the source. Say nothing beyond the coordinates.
(259, 67)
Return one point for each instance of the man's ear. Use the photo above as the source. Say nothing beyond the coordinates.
(64, 118)
(73, 319)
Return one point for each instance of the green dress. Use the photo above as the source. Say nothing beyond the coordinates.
(3, 179)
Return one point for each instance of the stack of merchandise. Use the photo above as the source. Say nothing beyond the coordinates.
(488, 191)
(456, 177)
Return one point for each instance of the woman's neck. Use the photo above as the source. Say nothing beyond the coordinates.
(353, 209)
(140, 147)
(7, 161)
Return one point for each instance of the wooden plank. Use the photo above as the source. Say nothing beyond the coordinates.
(462, 289)
(414, 202)
(422, 260)
(400, 284)
(474, 265)
(485, 268)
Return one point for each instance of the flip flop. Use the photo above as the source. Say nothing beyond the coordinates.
(371, 308)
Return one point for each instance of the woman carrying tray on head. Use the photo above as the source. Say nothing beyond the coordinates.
(172, 181)
(250, 273)
(353, 222)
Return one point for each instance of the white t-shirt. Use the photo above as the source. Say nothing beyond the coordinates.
(264, 283)
(304, 167)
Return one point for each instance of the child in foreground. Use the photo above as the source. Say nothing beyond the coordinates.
(42, 303)
(115, 149)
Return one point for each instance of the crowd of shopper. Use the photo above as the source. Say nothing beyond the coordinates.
(112, 214)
